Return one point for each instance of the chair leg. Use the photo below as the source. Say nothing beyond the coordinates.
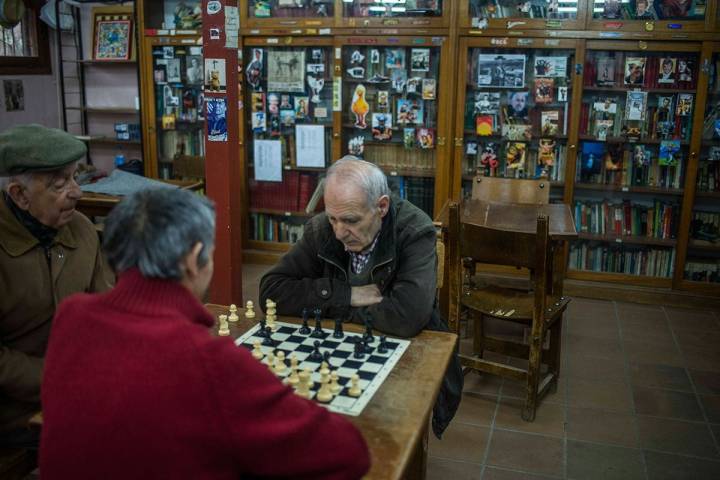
(555, 353)
(478, 346)
(533, 373)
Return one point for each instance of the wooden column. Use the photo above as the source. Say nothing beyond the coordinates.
(222, 162)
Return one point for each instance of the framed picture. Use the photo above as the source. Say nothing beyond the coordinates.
(113, 34)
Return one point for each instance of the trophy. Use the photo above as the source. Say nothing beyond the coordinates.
(316, 84)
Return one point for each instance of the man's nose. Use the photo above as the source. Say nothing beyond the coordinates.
(74, 193)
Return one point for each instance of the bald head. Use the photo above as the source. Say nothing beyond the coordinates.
(351, 172)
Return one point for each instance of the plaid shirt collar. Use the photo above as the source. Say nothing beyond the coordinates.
(360, 260)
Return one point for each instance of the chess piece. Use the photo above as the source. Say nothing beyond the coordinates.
(233, 317)
(368, 337)
(257, 351)
(338, 333)
(280, 366)
(271, 361)
(293, 379)
(316, 356)
(305, 329)
(224, 329)
(249, 309)
(324, 395)
(304, 384)
(268, 341)
(326, 357)
(271, 314)
(324, 370)
(382, 347)
(261, 330)
(334, 385)
(318, 331)
(359, 350)
(354, 386)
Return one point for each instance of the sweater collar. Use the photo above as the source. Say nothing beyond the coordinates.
(137, 294)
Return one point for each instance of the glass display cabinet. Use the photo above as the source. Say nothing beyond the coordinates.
(511, 14)
(516, 117)
(635, 126)
(390, 112)
(660, 16)
(395, 13)
(287, 13)
(288, 127)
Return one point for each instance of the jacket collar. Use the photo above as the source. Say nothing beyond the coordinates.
(334, 251)
(17, 240)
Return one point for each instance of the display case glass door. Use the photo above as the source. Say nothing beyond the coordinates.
(516, 114)
(391, 93)
(511, 14)
(702, 259)
(395, 13)
(288, 124)
(657, 16)
(287, 13)
(635, 127)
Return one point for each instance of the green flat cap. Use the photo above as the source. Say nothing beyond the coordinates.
(34, 148)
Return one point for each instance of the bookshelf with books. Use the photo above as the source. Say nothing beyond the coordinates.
(659, 16)
(395, 14)
(516, 119)
(508, 14)
(702, 256)
(288, 124)
(172, 77)
(392, 112)
(634, 134)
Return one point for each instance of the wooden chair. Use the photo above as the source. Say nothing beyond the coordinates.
(511, 190)
(537, 309)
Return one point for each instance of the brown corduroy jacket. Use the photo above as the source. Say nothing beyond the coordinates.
(30, 290)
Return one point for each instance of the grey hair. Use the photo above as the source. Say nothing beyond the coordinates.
(155, 229)
(23, 179)
(365, 175)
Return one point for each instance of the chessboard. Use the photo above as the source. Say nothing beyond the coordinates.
(372, 368)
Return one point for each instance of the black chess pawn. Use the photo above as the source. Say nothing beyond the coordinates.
(359, 350)
(316, 356)
(305, 329)
(261, 331)
(326, 357)
(318, 331)
(338, 333)
(382, 347)
(368, 336)
(268, 341)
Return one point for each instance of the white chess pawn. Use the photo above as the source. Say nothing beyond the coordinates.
(355, 386)
(334, 385)
(293, 379)
(249, 309)
(223, 329)
(233, 314)
(324, 394)
(324, 370)
(257, 351)
(271, 361)
(304, 384)
(280, 366)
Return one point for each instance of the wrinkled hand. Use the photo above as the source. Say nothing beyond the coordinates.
(365, 295)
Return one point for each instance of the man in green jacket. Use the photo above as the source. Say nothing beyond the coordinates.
(369, 259)
(47, 252)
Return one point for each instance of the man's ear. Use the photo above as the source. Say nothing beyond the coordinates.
(383, 205)
(191, 265)
(18, 194)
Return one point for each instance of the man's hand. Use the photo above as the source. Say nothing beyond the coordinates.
(365, 296)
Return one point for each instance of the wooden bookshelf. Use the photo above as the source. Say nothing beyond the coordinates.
(630, 189)
(629, 239)
(279, 213)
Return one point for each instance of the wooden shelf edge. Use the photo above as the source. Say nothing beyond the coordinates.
(632, 240)
(638, 280)
(629, 189)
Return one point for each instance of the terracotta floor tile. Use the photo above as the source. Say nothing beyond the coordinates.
(681, 319)
(494, 473)
(515, 389)
(711, 404)
(462, 442)
(584, 306)
(660, 376)
(705, 382)
(659, 334)
(676, 436)
(476, 409)
(549, 417)
(697, 338)
(592, 347)
(651, 353)
(596, 327)
(443, 469)
(589, 461)
(667, 403)
(613, 396)
(702, 358)
(602, 427)
(663, 466)
(526, 452)
(581, 366)
(482, 383)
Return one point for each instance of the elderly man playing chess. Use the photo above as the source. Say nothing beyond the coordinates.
(368, 258)
(47, 252)
(136, 386)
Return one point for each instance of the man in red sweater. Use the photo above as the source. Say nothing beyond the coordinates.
(136, 387)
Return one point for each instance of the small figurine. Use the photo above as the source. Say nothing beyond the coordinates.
(359, 106)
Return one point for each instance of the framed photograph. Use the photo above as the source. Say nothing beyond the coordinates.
(667, 73)
(194, 69)
(501, 71)
(286, 70)
(517, 107)
(172, 68)
(515, 155)
(425, 137)
(684, 104)
(669, 153)
(635, 70)
(544, 90)
(635, 105)
(395, 58)
(605, 75)
(551, 66)
(112, 34)
(429, 87)
(214, 75)
(549, 122)
(420, 59)
(382, 126)
(410, 111)
(487, 102)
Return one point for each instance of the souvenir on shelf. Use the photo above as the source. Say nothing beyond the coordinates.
(480, 11)
(290, 9)
(649, 10)
(354, 11)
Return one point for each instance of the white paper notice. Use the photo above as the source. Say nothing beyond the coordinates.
(310, 142)
(232, 25)
(268, 160)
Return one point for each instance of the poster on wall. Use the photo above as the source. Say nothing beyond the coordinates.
(286, 71)
(216, 119)
(14, 95)
(215, 75)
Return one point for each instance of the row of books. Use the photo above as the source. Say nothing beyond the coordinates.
(627, 219)
(635, 71)
(417, 190)
(269, 228)
(706, 226)
(182, 142)
(653, 262)
(698, 271)
(654, 124)
(708, 178)
(291, 195)
(396, 156)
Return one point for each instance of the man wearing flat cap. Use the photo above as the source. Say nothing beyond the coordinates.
(47, 252)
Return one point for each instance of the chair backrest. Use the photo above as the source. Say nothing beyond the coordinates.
(511, 190)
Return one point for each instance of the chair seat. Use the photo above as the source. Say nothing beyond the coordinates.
(509, 303)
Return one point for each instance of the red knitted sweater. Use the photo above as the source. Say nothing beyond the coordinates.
(135, 387)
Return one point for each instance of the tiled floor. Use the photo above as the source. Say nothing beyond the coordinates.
(639, 398)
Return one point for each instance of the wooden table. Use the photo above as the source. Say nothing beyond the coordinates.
(99, 204)
(395, 422)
